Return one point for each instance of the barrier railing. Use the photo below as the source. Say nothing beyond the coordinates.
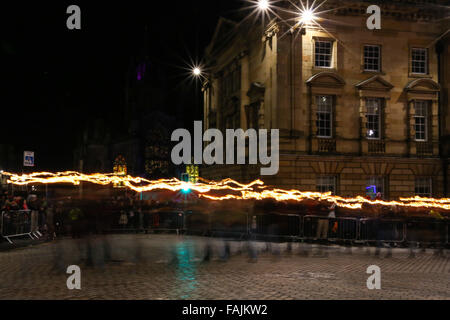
(371, 230)
(426, 232)
(229, 224)
(198, 223)
(447, 242)
(170, 221)
(345, 229)
(276, 226)
(18, 223)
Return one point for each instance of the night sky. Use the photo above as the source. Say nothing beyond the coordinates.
(54, 78)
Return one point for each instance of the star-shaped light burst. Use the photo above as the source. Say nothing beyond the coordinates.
(263, 5)
(308, 14)
(196, 71)
(262, 8)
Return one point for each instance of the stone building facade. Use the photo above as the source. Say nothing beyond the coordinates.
(355, 107)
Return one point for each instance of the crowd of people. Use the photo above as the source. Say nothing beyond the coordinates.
(53, 218)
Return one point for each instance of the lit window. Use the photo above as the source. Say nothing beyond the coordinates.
(324, 116)
(373, 118)
(326, 184)
(372, 58)
(323, 53)
(423, 187)
(120, 169)
(419, 61)
(120, 166)
(421, 123)
(378, 183)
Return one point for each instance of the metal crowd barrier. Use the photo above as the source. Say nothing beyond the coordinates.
(228, 224)
(448, 234)
(447, 242)
(17, 223)
(276, 225)
(164, 221)
(198, 223)
(170, 220)
(344, 229)
(426, 232)
(371, 230)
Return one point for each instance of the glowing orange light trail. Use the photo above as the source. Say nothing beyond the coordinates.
(255, 190)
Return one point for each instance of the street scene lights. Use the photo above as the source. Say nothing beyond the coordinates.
(307, 16)
(263, 5)
(197, 72)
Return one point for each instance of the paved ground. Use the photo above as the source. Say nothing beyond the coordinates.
(170, 267)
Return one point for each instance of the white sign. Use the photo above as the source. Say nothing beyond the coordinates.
(28, 159)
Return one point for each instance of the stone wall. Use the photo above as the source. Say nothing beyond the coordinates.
(352, 174)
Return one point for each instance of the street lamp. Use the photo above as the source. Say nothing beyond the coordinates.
(196, 71)
(263, 5)
(307, 16)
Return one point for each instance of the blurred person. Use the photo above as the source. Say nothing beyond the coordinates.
(439, 235)
(50, 223)
(252, 251)
(323, 226)
(146, 220)
(33, 205)
(140, 219)
(382, 233)
(123, 220)
(208, 251)
(59, 220)
(75, 216)
(131, 219)
(304, 249)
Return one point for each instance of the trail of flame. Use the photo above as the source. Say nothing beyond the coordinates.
(255, 190)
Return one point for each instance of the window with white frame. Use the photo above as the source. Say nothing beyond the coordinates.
(323, 51)
(378, 183)
(372, 58)
(419, 60)
(420, 120)
(324, 116)
(424, 187)
(373, 117)
(326, 184)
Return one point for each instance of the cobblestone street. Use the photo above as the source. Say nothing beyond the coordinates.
(170, 267)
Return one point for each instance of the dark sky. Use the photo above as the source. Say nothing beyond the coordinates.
(54, 78)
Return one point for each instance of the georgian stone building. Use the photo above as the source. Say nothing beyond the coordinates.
(355, 107)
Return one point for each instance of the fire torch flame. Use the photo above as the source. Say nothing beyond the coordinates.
(234, 190)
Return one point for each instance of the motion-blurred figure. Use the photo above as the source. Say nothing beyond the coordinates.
(381, 231)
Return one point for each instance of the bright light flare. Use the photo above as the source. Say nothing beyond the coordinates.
(197, 71)
(307, 16)
(263, 5)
